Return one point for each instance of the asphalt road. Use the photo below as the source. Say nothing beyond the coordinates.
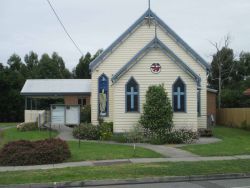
(227, 183)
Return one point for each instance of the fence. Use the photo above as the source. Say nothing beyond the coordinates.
(233, 116)
(35, 116)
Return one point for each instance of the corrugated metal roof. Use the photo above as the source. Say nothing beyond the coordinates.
(56, 86)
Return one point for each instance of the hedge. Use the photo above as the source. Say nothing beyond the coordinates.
(25, 152)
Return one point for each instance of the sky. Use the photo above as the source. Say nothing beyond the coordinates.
(93, 24)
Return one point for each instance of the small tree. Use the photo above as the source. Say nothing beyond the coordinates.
(157, 111)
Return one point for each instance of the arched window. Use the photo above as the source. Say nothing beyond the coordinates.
(132, 96)
(103, 95)
(179, 96)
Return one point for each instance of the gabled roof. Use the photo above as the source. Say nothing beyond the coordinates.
(59, 87)
(156, 43)
(149, 14)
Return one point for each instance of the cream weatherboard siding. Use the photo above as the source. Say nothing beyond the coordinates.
(170, 71)
(121, 55)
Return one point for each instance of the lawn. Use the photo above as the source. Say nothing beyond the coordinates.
(7, 124)
(101, 151)
(125, 171)
(13, 134)
(234, 142)
(87, 150)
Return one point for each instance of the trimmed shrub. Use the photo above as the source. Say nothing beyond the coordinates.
(205, 132)
(85, 116)
(157, 111)
(106, 130)
(120, 137)
(86, 131)
(136, 134)
(181, 136)
(157, 137)
(30, 126)
(25, 152)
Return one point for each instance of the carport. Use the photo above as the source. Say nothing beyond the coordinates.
(67, 92)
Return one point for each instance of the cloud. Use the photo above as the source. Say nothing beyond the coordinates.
(30, 25)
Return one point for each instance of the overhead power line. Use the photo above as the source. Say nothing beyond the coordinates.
(64, 28)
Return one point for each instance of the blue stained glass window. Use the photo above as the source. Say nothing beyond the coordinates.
(103, 95)
(132, 96)
(179, 96)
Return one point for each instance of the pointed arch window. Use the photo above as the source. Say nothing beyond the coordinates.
(132, 96)
(179, 96)
(103, 95)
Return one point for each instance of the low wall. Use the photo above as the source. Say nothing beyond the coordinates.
(233, 116)
(32, 116)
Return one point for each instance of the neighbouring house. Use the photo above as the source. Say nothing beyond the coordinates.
(147, 53)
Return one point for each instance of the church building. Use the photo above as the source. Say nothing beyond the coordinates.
(148, 53)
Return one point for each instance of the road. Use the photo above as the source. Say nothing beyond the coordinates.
(227, 183)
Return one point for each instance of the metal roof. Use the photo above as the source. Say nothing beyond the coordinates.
(149, 13)
(156, 43)
(212, 90)
(47, 87)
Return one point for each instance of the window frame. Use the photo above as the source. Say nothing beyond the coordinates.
(199, 102)
(138, 96)
(185, 96)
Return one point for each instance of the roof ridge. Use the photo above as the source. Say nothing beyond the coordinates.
(177, 38)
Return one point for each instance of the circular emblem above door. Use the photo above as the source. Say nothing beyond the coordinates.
(155, 68)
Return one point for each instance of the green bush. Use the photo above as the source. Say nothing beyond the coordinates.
(25, 152)
(85, 116)
(136, 134)
(157, 114)
(157, 111)
(106, 130)
(86, 131)
(31, 126)
(181, 136)
(120, 137)
(157, 137)
(205, 132)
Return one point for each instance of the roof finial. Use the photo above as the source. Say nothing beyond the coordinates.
(148, 4)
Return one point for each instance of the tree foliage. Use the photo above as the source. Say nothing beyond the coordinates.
(157, 111)
(15, 73)
(235, 77)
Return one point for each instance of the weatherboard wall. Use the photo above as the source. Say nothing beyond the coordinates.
(141, 72)
(123, 53)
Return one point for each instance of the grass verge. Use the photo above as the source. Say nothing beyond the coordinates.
(125, 171)
(234, 142)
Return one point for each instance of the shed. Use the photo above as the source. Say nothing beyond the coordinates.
(211, 104)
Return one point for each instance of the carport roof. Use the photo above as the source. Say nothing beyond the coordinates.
(56, 87)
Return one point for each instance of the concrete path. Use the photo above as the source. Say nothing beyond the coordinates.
(65, 133)
(120, 161)
(167, 151)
